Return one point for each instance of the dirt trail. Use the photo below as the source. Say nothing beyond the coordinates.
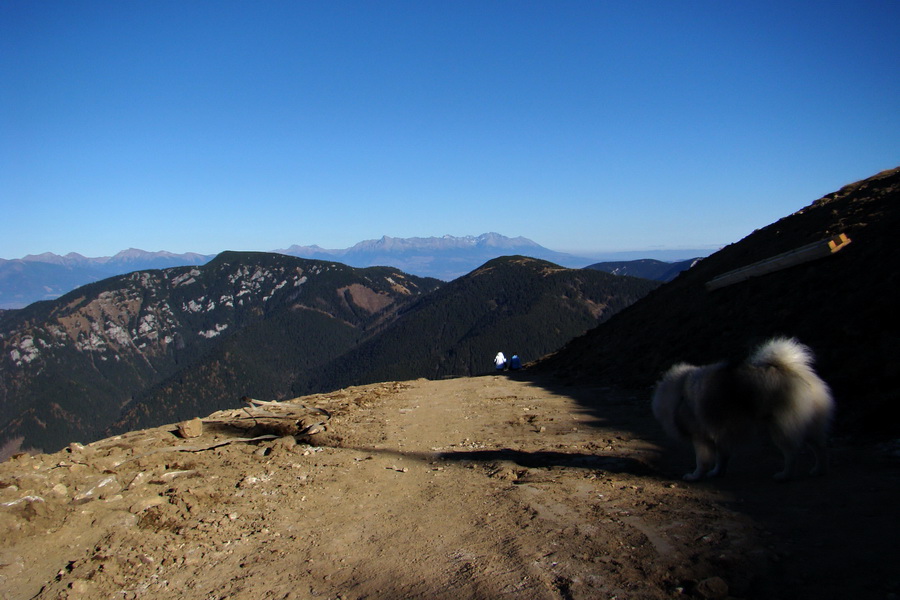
(487, 487)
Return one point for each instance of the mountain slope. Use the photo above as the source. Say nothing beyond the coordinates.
(264, 358)
(515, 303)
(843, 306)
(518, 305)
(646, 268)
(69, 367)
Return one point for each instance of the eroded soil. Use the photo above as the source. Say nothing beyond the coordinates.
(487, 487)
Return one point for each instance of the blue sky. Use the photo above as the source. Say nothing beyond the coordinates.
(585, 126)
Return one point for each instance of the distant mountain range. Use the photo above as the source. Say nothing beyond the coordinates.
(156, 346)
(47, 276)
(646, 268)
(444, 258)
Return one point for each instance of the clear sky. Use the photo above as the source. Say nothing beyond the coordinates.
(195, 125)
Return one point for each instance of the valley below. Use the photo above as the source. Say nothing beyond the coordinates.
(499, 486)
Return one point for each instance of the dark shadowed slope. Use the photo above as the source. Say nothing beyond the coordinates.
(844, 306)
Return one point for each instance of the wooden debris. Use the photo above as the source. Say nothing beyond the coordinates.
(807, 253)
(301, 423)
(260, 410)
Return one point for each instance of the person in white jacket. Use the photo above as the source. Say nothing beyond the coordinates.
(500, 361)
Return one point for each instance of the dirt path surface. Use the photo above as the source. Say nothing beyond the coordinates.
(488, 487)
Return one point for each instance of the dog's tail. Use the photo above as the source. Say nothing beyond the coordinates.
(786, 354)
(809, 400)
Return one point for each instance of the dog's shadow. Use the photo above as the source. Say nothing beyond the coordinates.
(544, 459)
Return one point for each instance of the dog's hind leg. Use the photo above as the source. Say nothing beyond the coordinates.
(790, 448)
(820, 453)
(818, 442)
(705, 453)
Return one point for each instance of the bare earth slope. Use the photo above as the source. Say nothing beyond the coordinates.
(487, 487)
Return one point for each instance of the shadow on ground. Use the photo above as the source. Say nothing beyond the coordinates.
(547, 459)
(837, 535)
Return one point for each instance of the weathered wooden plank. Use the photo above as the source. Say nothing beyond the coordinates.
(807, 253)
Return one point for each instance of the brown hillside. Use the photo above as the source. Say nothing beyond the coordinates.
(843, 306)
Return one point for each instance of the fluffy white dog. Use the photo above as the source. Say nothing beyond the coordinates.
(776, 388)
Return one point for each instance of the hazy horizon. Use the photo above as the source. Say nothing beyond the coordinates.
(678, 252)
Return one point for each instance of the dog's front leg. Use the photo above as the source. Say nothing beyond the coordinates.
(722, 458)
(705, 453)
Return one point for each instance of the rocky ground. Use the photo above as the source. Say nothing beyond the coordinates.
(487, 487)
